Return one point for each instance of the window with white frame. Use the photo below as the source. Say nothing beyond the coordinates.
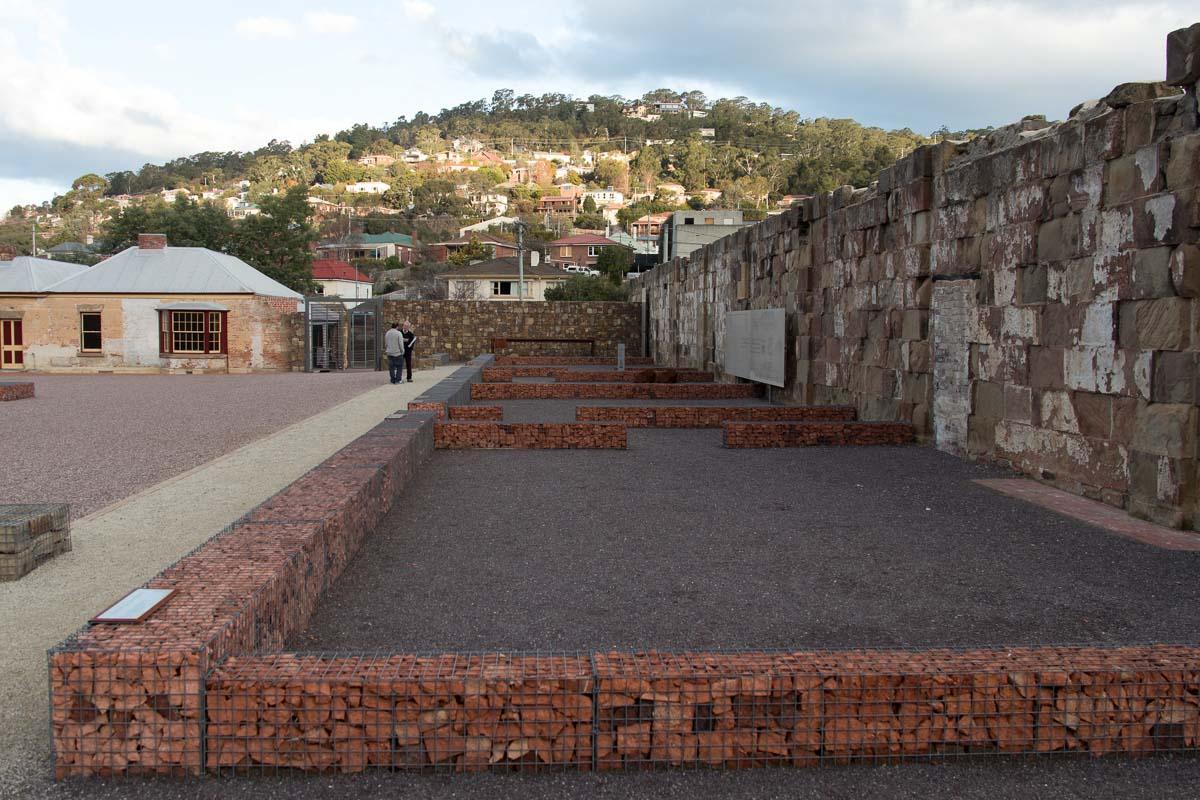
(193, 332)
(90, 339)
(502, 288)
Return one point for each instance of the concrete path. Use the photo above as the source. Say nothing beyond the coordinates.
(120, 547)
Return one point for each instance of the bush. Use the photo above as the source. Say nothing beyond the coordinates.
(587, 287)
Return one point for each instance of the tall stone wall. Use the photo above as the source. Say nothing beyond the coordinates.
(1029, 297)
(465, 328)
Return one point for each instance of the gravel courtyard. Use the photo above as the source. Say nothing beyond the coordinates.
(90, 440)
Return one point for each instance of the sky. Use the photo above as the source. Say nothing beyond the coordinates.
(98, 87)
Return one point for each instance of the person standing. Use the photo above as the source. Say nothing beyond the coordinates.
(410, 340)
(393, 346)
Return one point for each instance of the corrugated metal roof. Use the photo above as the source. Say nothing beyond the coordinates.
(173, 270)
(504, 268)
(28, 274)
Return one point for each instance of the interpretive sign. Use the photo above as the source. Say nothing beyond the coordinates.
(135, 606)
(754, 345)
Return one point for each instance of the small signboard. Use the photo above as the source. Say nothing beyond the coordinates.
(621, 357)
(754, 345)
(134, 607)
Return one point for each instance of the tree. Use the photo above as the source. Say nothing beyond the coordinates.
(587, 287)
(185, 222)
(589, 205)
(590, 222)
(610, 172)
(614, 263)
(279, 240)
(89, 186)
(464, 290)
(474, 250)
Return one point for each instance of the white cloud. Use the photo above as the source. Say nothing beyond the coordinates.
(327, 22)
(419, 9)
(265, 28)
(20, 191)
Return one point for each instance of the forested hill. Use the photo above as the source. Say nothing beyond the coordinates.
(700, 144)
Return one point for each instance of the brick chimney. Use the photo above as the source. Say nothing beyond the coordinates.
(152, 241)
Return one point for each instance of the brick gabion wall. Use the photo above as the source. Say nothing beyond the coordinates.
(708, 416)
(815, 434)
(1031, 297)
(465, 328)
(484, 435)
(613, 391)
(16, 390)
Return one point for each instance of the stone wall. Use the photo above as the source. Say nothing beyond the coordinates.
(1028, 297)
(465, 328)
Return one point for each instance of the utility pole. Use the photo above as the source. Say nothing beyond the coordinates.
(520, 261)
(33, 238)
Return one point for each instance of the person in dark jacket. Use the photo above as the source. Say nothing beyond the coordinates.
(410, 340)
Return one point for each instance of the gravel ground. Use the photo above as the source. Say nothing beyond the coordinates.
(90, 440)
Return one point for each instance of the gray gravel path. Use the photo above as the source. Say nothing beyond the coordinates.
(90, 440)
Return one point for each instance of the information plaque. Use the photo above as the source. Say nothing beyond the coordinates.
(754, 345)
(134, 607)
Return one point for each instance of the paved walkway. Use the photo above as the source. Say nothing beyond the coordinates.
(125, 544)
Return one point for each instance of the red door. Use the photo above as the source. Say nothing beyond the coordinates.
(12, 347)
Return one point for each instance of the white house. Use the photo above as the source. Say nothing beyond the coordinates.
(367, 187)
(605, 197)
(340, 279)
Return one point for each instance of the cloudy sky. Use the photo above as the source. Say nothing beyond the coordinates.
(88, 86)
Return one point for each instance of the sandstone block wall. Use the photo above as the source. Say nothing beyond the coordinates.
(1031, 297)
(465, 328)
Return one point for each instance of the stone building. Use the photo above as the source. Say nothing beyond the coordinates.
(152, 308)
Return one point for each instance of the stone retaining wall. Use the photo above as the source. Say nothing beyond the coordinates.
(1030, 297)
(529, 435)
(618, 391)
(708, 416)
(465, 328)
(633, 711)
(815, 434)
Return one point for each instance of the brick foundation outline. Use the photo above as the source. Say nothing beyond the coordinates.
(566, 375)
(16, 390)
(487, 413)
(708, 416)
(529, 435)
(571, 361)
(816, 434)
(614, 391)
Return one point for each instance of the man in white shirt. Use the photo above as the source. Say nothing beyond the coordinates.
(393, 346)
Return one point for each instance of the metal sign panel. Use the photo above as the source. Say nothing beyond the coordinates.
(754, 345)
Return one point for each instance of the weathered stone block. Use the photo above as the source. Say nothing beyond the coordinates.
(1183, 168)
(1176, 378)
(1159, 219)
(1124, 415)
(1046, 367)
(1126, 94)
(1058, 239)
(1032, 284)
(1133, 176)
(1093, 414)
(1161, 324)
(1185, 270)
(1166, 429)
(1018, 404)
(1183, 56)
(1104, 136)
(987, 400)
(1055, 412)
(1152, 273)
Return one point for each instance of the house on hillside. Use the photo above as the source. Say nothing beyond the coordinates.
(497, 246)
(376, 246)
(341, 279)
(487, 224)
(675, 193)
(582, 250)
(367, 187)
(414, 155)
(498, 280)
(688, 231)
(67, 251)
(789, 200)
(150, 308)
(557, 204)
(709, 196)
(604, 197)
(378, 160)
(649, 225)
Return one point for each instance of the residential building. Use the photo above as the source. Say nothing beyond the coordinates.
(414, 155)
(688, 231)
(322, 207)
(604, 197)
(789, 200)
(489, 202)
(487, 224)
(498, 280)
(341, 279)
(582, 250)
(649, 225)
(672, 192)
(150, 308)
(708, 133)
(371, 245)
(378, 160)
(67, 251)
(669, 107)
(498, 247)
(169, 195)
(610, 212)
(367, 187)
(709, 196)
(557, 204)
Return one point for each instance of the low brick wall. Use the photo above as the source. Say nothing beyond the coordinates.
(529, 435)
(15, 390)
(489, 413)
(708, 416)
(454, 390)
(570, 361)
(633, 711)
(507, 374)
(130, 698)
(614, 391)
(810, 434)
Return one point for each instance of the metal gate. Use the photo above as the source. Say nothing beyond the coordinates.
(341, 334)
